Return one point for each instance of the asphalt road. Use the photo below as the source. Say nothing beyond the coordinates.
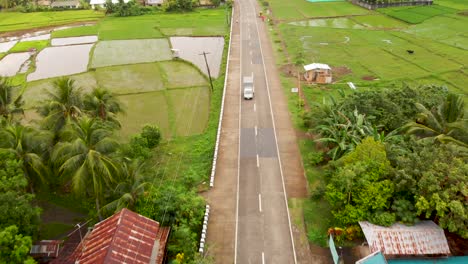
(263, 229)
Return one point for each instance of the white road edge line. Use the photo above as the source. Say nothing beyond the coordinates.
(263, 258)
(258, 162)
(239, 147)
(260, 202)
(276, 139)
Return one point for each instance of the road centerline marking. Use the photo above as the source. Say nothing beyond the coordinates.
(260, 202)
(256, 131)
(263, 258)
(258, 161)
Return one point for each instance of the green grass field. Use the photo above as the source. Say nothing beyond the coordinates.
(379, 22)
(416, 14)
(27, 45)
(300, 9)
(456, 4)
(203, 22)
(13, 21)
(76, 32)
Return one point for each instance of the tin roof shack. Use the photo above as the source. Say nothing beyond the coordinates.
(318, 73)
(45, 250)
(423, 239)
(125, 237)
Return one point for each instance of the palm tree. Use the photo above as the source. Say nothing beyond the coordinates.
(133, 185)
(85, 157)
(9, 105)
(103, 104)
(27, 144)
(445, 124)
(64, 103)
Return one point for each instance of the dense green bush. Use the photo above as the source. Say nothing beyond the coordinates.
(179, 5)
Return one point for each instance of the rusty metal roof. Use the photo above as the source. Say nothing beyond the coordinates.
(424, 238)
(125, 237)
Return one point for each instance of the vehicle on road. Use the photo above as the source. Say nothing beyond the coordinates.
(248, 87)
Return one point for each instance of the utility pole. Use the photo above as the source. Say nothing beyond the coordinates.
(208, 68)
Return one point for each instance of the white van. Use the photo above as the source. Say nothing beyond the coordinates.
(248, 87)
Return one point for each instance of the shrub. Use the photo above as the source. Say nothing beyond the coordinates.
(152, 134)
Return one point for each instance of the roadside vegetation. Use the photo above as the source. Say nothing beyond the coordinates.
(394, 150)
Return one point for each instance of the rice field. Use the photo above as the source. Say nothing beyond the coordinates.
(121, 52)
(416, 14)
(300, 9)
(150, 93)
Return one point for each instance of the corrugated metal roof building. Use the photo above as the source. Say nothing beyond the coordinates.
(424, 238)
(125, 237)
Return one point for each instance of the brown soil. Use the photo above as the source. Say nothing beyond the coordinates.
(340, 71)
(19, 33)
(291, 70)
(368, 78)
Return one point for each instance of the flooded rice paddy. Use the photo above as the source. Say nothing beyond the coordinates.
(74, 40)
(120, 52)
(190, 49)
(331, 22)
(60, 61)
(6, 46)
(12, 63)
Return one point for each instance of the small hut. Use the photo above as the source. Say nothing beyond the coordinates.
(318, 73)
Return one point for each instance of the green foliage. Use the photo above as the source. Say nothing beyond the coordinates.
(137, 148)
(14, 247)
(446, 123)
(152, 134)
(122, 9)
(180, 208)
(178, 5)
(84, 157)
(11, 102)
(432, 178)
(15, 203)
(391, 108)
(64, 103)
(357, 188)
(103, 104)
(133, 184)
(28, 145)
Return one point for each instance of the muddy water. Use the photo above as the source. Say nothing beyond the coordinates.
(6, 46)
(74, 40)
(190, 49)
(333, 23)
(60, 61)
(11, 63)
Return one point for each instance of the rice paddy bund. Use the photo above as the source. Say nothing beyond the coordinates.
(137, 65)
(372, 49)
